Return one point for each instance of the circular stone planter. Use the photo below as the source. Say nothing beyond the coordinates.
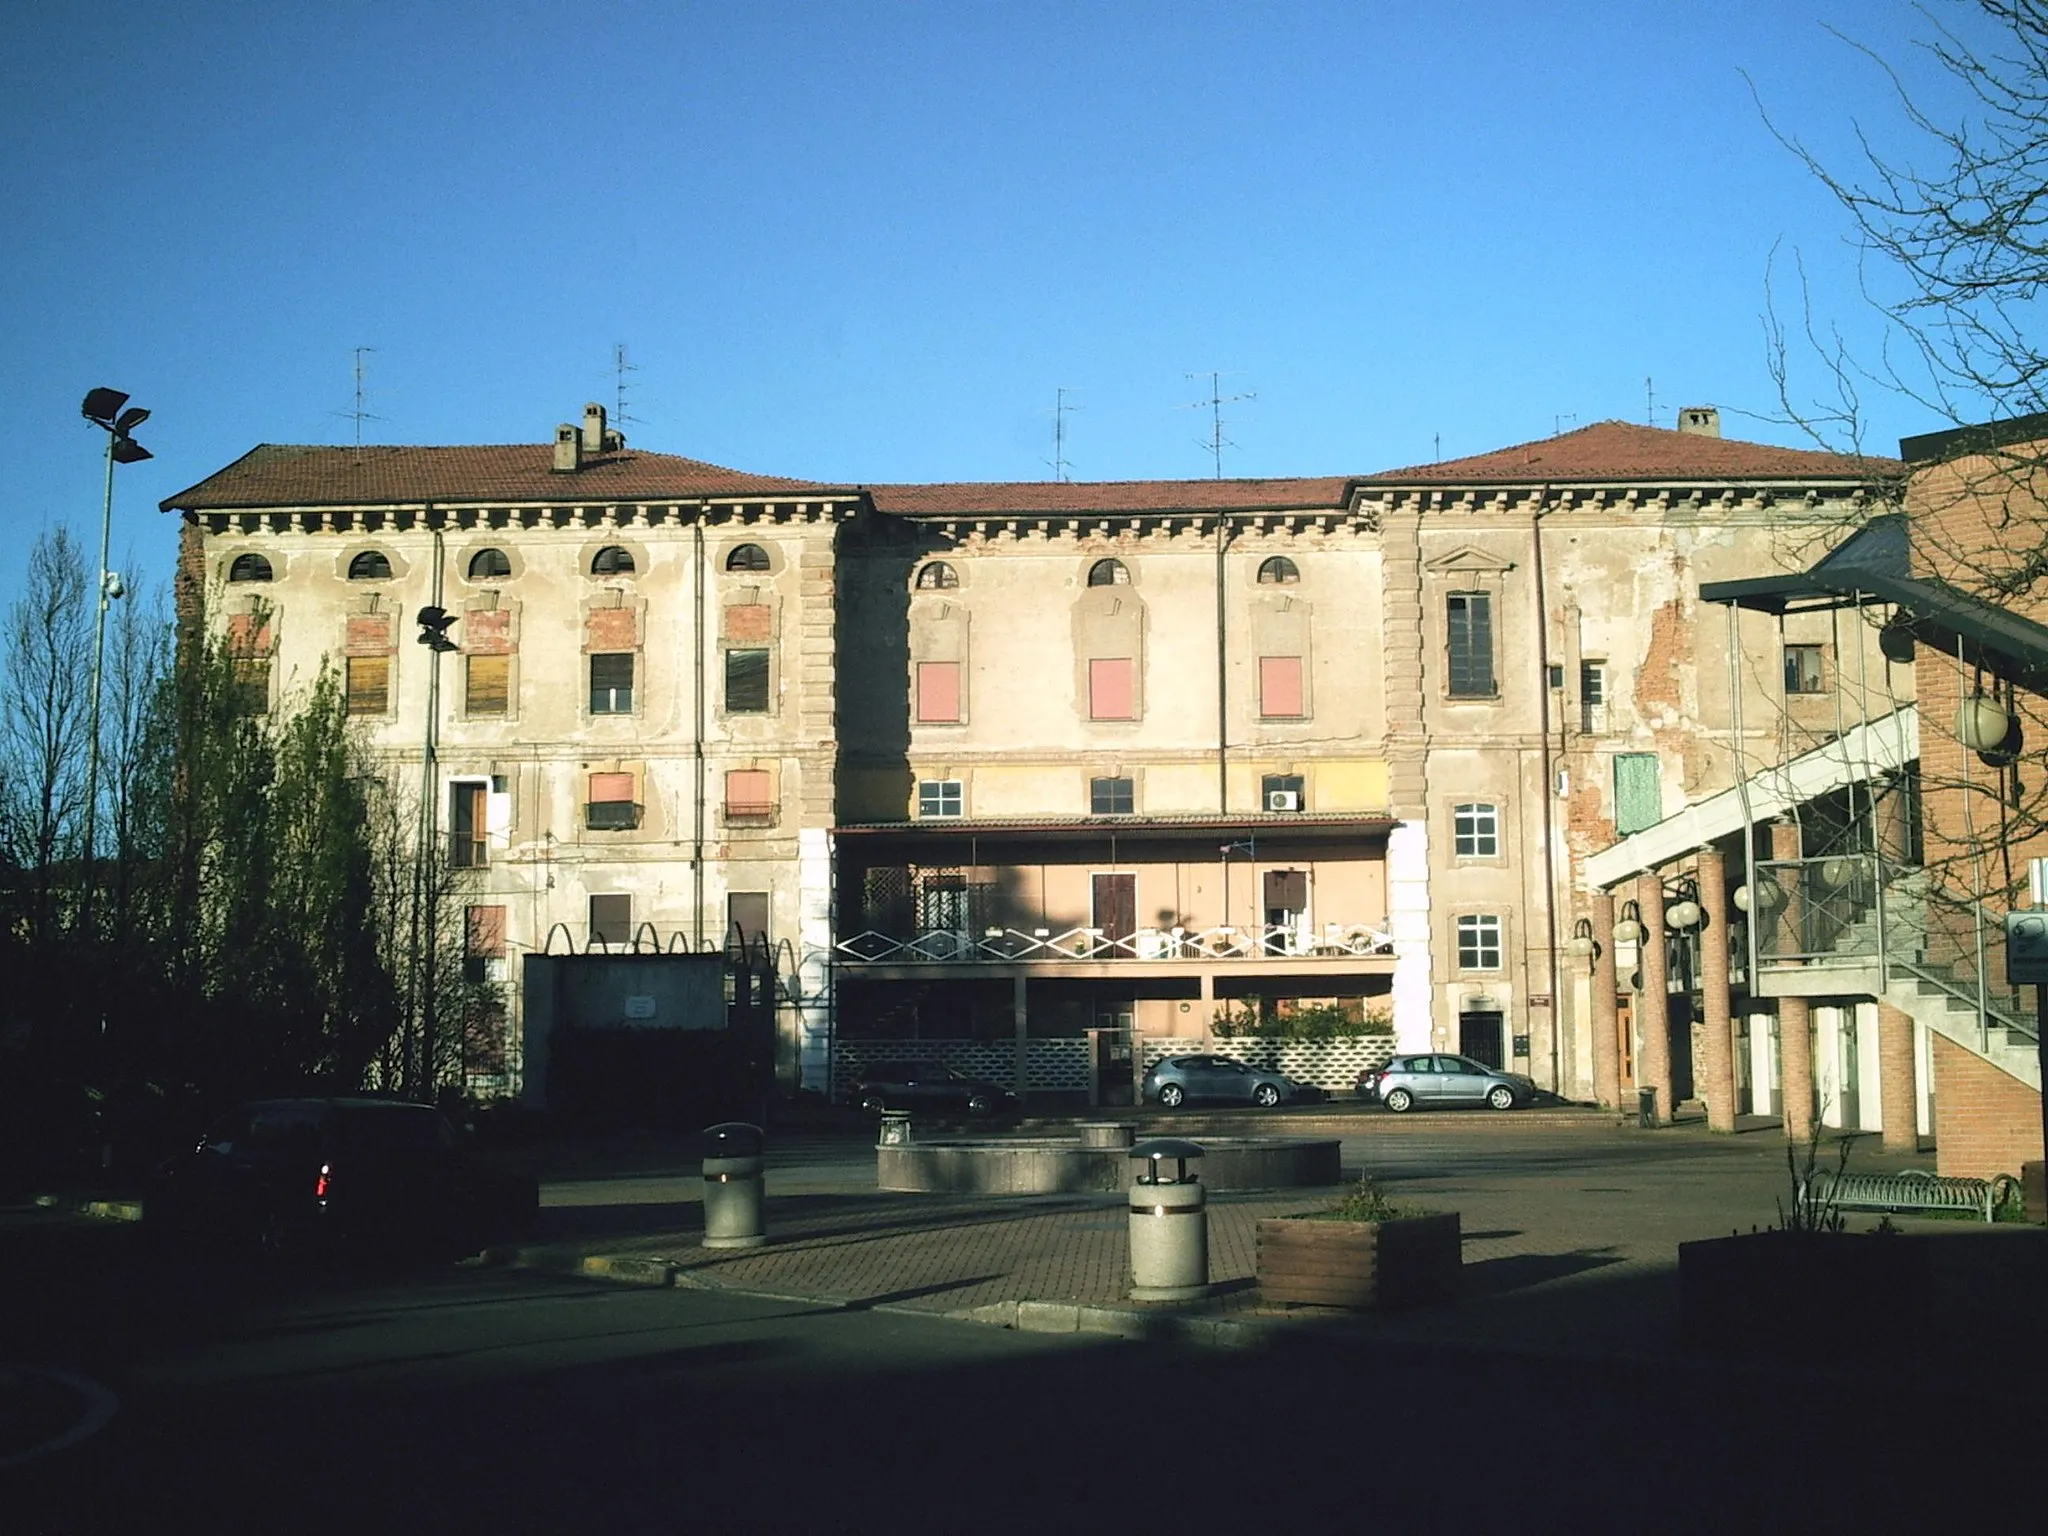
(1043, 1166)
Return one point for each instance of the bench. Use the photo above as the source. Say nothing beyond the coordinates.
(1913, 1189)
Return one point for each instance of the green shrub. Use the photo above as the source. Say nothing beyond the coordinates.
(1366, 1201)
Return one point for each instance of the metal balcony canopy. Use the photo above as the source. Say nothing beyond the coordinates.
(1877, 746)
(1873, 565)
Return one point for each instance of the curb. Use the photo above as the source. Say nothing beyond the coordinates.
(106, 1210)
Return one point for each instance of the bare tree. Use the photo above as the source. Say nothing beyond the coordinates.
(43, 725)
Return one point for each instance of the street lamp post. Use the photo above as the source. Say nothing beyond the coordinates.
(104, 409)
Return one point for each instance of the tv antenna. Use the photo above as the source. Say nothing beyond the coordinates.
(1058, 461)
(620, 369)
(361, 413)
(1649, 402)
(1216, 442)
(1558, 420)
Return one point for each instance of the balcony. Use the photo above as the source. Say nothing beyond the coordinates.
(467, 852)
(750, 813)
(1240, 944)
(611, 815)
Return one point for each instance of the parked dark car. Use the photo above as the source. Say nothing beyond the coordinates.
(930, 1087)
(1439, 1081)
(1177, 1080)
(287, 1176)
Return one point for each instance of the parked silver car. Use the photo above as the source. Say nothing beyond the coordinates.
(1440, 1081)
(1177, 1080)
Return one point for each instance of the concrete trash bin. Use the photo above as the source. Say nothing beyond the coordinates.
(894, 1130)
(1169, 1223)
(1646, 1108)
(733, 1186)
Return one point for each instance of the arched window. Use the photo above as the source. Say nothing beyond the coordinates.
(489, 562)
(1279, 571)
(937, 575)
(611, 561)
(370, 565)
(1108, 573)
(747, 557)
(249, 568)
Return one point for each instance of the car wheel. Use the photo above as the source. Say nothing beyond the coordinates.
(1400, 1101)
(1171, 1094)
(1265, 1095)
(872, 1105)
(275, 1239)
(977, 1104)
(1501, 1096)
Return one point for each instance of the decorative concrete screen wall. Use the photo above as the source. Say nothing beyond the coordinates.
(1060, 1064)
(1330, 1064)
(1055, 1065)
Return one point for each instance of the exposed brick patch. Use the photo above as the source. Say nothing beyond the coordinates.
(488, 632)
(613, 629)
(251, 634)
(749, 621)
(369, 635)
(1669, 651)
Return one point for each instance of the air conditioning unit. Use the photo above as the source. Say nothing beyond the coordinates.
(1283, 799)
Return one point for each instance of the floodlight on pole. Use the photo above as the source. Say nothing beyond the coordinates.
(104, 408)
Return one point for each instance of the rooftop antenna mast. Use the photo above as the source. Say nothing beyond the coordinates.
(1649, 402)
(361, 413)
(620, 368)
(1558, 419)
(1058, 461)
(1216, 441)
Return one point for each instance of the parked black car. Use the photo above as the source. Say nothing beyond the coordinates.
(286, 1176)
(928, 1086)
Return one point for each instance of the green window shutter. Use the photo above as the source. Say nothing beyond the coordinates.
(1638, 794)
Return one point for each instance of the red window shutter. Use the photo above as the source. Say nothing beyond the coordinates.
(486, 932)
(1280, 687)
(746, 789)
(611, 788)
(938, 691)
(1109, 688)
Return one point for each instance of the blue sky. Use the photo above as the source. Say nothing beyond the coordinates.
(867, 242)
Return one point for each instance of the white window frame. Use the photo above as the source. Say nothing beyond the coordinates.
(941, 798)
(1478, 933)
(1475, 829)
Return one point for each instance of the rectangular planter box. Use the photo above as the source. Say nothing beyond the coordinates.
(1409, 1262)
(1804, 1294)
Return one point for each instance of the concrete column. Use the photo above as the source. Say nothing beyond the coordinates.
(1653, 1055)
(1720, 1037)
(1795, 1017)
(1606, 1047)
(1021, 1016)
(1897, 1101)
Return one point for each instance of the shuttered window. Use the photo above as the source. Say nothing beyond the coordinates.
(746, 682)
(369, 685)
(1638, 792)
(1469, 626)
(487, 685)
(1280, 688)
(611, 683)
(1109, 689)
(938, 692)
(611, 919)
(748, 794)
(611, 806)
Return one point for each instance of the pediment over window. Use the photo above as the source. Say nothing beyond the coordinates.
(1468, 558)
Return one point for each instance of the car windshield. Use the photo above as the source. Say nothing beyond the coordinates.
(395, 1128)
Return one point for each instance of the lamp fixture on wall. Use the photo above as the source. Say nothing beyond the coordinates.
(1630, 929)
(1583, 944)
(1685, 911)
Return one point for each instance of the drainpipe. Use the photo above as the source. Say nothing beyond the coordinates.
(1222, 679)
(1549, 785)
(697, 737)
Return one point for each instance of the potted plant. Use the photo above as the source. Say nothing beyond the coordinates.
(1365, 1251)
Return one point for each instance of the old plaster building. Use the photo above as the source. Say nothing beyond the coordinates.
(1022, 771)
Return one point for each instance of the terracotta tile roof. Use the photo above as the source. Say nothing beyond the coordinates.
(1621, 451)
(287, 475)
(1022, 498)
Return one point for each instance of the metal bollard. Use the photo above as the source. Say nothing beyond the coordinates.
(1646, 1108)
(1169, 1224)
(733, 1186)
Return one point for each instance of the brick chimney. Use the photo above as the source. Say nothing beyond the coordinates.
(1700, 420)
(593, 428)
